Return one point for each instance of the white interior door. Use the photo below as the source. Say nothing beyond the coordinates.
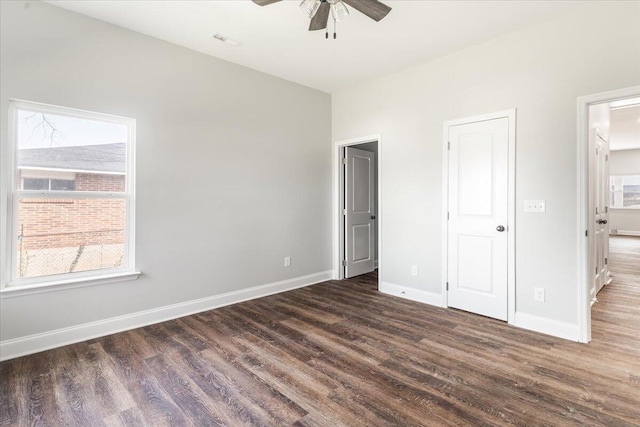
(601, 226)
(359, 212)
(478, 217)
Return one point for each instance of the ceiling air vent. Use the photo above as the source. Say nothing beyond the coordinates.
(227, 40)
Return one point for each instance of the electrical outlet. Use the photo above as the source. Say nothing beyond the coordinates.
(535, 206)
(414, 270)
(287, 261)
(538, 294)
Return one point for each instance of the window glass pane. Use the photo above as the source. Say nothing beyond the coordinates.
(63, 185)
(631, 191)
(35, 184)
(51, 144)
(57, 236)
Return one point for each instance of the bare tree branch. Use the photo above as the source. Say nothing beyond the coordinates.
(48, 128)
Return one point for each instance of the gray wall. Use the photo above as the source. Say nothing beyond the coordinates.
(233, 166)
(540, 70)
(624, 162)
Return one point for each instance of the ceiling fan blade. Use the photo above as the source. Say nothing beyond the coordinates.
(372, 8)
(265, 2)
(319, 20)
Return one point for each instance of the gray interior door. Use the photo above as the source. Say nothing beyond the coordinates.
(359, 212)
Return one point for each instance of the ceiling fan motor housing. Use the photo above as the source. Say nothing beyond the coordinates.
(318, 10)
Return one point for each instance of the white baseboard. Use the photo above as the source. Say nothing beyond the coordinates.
(556, 328)
(413, 294)
(17, 347)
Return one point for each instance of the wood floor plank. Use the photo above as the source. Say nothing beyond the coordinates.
(245, 393)
(72, 390)
(132, 417)
(340, 353)
(39, 407)
(194, 404)
(154, 404)
(304, 393)
(10, 382)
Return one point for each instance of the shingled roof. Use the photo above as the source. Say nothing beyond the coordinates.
(99, 158)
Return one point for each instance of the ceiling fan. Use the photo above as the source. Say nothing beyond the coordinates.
(318, 10)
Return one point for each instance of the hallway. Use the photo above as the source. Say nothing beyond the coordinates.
(616, 315)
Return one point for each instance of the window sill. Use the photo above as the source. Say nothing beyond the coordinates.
(15, 291)
(623, 209)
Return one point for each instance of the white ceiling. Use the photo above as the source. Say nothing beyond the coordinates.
(624, 131)
(275, 39)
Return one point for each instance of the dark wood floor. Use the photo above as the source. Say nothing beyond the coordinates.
(339, 353)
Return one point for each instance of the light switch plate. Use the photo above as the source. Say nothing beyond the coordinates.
(535, 206)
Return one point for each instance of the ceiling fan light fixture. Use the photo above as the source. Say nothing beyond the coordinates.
(338, 10)
(319, 10)
(310, 7)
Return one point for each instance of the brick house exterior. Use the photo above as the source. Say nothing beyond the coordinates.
(71, 224)
(52, 223)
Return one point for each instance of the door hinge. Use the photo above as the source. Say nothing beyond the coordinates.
(448, 145)
(447, 285)
(344, 161)
(344, 211)
(586, 233)
(606, 261)
(596, 211)
(606, 158)
(606, 209)
(344, 263)
(447, 216)
(596, 270)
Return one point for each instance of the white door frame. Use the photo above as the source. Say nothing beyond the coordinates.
(511, 260)
(338, 194)
(585, 261)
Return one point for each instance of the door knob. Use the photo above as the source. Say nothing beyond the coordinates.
(500, 228)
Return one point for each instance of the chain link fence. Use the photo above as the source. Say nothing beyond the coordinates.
(58, 253)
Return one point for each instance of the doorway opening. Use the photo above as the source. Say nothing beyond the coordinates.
(357, 236)
(608, 197)
(624, 202)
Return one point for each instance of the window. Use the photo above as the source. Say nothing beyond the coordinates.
(625, 191)
(48, 184)
(36, 184)
(71, 202)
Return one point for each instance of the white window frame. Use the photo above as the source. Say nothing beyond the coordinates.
(9, 282)
(619, 192)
